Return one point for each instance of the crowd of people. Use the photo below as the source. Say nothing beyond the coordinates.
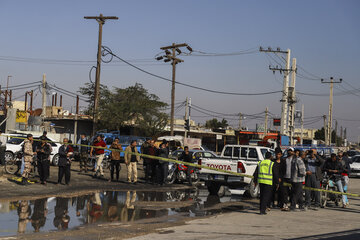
(282, 178)
(156, 171)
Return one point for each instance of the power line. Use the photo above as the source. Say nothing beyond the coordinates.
(191, 86)
(75, 94)
(349, 120)
(198, 53)
(65, 61)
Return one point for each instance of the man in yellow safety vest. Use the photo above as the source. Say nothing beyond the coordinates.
(264, 176)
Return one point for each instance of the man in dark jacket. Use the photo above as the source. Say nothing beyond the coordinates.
(335, 168)
(151, 163)
(186, 156)
(65, 153)
(43, 151)
(313, 164)
(277, 180)
(163, 166)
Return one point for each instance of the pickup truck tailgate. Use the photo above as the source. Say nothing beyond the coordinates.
(222, 164)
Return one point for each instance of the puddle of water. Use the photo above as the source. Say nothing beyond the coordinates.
(57, 214)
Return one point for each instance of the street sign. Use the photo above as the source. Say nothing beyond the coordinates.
(276, 121)
(21, 117)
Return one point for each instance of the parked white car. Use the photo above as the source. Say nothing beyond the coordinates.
(355, 166)
(14, 145)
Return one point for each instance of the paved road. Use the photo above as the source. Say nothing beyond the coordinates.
(330, 223)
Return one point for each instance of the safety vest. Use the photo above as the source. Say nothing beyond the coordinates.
(265, 175)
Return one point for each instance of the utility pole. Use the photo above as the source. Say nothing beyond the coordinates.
(302, 125)
(341, 136)
(284, 100)
(76, 119)
(31, 95)
(7, 82)
(329, 126)
(240, 121)
(266, 121)
(186, 115)
(101, 20)
(336, 126)
(292, 102)
(43, 114)
(171, 56)
(325, 129)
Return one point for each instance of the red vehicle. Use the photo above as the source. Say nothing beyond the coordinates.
(177, 172)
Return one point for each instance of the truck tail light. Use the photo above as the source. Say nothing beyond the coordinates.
(199, 163)
(240, 167)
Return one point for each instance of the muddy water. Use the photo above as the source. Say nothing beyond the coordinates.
(58, 214)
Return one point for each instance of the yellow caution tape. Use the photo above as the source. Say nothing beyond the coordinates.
(189, 164)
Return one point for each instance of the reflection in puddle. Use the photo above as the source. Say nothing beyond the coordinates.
(54, 214)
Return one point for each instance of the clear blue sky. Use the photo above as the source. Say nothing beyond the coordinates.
(323, 36)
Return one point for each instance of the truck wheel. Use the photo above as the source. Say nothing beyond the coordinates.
(213, 188)
(253, 191)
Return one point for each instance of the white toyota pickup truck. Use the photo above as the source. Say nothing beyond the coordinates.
(234, 158)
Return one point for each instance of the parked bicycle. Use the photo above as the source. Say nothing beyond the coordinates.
(13, 165)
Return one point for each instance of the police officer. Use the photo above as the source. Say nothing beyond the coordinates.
(264, 176)
(28, 158)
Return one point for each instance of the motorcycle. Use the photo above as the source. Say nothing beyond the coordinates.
(178, 172)
(13, 166)
(328, 184)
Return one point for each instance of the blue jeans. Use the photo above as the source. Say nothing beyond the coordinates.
(341, 189)
(345, 181)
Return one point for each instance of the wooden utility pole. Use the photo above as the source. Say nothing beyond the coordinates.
(7, 94)
(171, 56)
(329, 126)
(101, 20)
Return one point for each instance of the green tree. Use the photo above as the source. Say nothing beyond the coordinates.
(132, 106)
(88, 90)
(320, 135)
(215, 124)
